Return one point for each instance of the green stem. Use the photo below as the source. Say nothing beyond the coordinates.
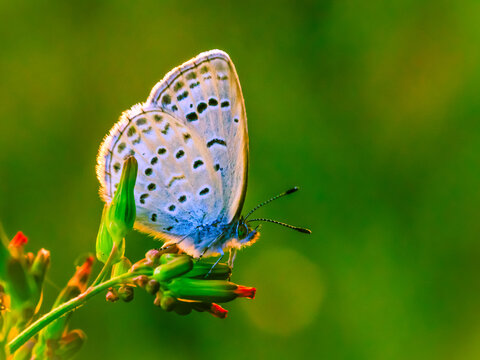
(107, 266)
(68, 306)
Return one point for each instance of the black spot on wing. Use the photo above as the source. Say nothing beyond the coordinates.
(197, 163)
(179, 154)
(182, 96)
(131, 131)
(166, 99)
(178, 85)
(192, 116)
(212, 102)
(201, 107)
(142, 198)
(216, 141)
(141, 121)
(204, 191)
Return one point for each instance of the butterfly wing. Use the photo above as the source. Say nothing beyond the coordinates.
(205, 94)
(177, 188)
(190, 141)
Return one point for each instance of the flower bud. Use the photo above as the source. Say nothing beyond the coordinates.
(121, 267)
(214, 309)
(152, 286)
(112, 295)
(122, 211)
(176, 267)
(141, 280)
(104, 243)
(17, 244)
(153, 257)
(167, 257)
(208, 270)
(70, 344)
(40, 266)
(183, 308)
(126, 293)
(207, 290)
(20, 285)
(168, 302)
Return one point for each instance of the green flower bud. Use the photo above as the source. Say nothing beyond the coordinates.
(40, 266)
(165, 258)
(105, 242)
(207, 290)
(126, 293)
(121, 267)
(70, 344)
(168, 302)
(20, 286)
(176, 267)
(207, 270)
(152, 286)
(122, 212)
(183, 308)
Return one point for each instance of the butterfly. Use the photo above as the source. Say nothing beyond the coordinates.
(190, 140)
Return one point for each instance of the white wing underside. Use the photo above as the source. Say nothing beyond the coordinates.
(191, 143)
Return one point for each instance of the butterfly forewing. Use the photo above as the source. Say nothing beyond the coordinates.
(205, 94)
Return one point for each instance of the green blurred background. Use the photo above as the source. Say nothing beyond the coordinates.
(372, 107)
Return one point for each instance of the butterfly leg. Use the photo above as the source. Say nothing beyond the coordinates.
(216, 262)
(231, 257)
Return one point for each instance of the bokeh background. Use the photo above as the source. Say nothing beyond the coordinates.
(372, 107)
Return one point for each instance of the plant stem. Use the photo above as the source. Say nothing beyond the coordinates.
(106, 267)
(68, 306)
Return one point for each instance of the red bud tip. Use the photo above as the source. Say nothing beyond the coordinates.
(18, 240)
(218, 311)
(80, 278)
(244, 291)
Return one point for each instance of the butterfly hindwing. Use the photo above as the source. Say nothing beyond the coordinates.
(176, 184)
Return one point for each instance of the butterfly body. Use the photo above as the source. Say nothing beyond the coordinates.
(190, 140)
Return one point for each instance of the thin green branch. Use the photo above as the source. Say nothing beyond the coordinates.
(106, 267)
(68, 306)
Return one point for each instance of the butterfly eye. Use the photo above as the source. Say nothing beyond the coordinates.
(242, 231)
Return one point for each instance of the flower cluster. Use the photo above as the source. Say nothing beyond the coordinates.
(180, 283)
(22, 276)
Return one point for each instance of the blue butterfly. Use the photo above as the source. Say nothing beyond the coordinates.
(190, 140)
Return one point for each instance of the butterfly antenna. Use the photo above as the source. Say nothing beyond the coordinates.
(288, 192)
(299, 229)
